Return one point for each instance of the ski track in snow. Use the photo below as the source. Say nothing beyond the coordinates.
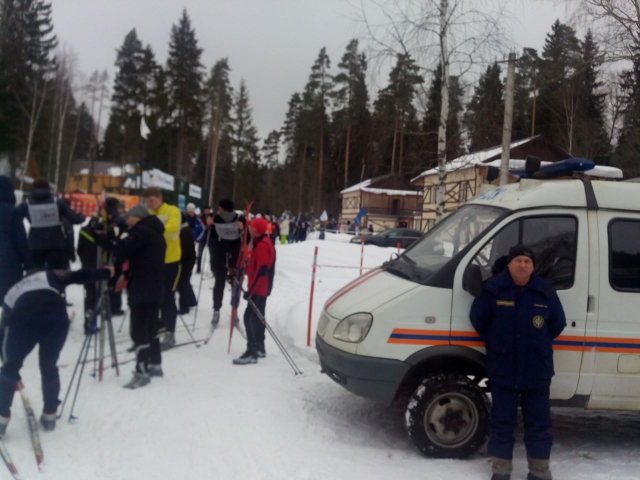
(209, 419)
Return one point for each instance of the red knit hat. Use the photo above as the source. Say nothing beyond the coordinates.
(259, 225)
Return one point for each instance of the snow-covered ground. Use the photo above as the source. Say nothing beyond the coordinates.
(209, 419)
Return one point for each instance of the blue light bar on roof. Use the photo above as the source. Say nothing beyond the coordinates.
(558, 169)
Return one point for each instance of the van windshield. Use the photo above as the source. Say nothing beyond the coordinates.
(443, 242)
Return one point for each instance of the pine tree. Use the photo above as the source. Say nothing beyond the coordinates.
(351, 102)
(271, 156)
(26, 45)
(396, 101)
(184, 74)
(244, 138)
(220, 103)
(558, 99)
(485, 112)
(317, 94)
(591, 135)
(526, 82)
(627, 150)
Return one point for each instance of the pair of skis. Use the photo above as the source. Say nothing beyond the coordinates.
(35, 438)
(243, 255)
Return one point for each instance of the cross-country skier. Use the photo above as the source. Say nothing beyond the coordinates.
(35, 313)
(224, 247)
(185, 290)
(171, 219)
(145, 249)
(260, 273)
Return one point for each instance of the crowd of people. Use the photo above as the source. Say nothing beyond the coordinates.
(150, 250)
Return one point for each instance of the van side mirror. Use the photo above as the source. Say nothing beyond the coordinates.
(472, 280)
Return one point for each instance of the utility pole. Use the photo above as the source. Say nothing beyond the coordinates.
(508, 120)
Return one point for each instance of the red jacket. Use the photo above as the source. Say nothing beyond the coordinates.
(261, 267)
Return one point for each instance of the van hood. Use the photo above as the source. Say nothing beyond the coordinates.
(367, 293)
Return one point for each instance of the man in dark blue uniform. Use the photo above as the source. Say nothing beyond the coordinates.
(518, 316)
(34, 313)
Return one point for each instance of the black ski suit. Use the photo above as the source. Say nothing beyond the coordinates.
(224, 247)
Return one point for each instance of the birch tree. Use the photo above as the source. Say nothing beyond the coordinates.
(459, 35)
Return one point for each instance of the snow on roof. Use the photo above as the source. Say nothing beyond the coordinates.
(472, 159)
(363, 186)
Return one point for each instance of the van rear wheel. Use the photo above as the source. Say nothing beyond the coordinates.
(448, 416)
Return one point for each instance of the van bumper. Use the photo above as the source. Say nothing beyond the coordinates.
(369, 377)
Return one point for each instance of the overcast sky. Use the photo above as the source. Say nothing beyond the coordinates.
(270, 43)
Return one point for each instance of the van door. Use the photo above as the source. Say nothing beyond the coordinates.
(616, 366)
(558, 237)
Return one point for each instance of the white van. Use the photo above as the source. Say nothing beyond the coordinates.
(405, 326)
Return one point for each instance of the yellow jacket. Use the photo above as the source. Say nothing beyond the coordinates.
(170, 218)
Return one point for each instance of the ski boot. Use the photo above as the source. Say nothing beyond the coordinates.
(216, 318)
(48, 421)
(168, 341)
(4, 421)
(262, 353)
(245, 359)
(155, 370)
(138, 380)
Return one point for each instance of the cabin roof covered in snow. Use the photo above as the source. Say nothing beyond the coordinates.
(392, 185)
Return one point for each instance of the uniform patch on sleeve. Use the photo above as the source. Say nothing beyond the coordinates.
(539, 305)
(505, 303)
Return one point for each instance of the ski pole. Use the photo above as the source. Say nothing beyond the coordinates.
(189, 332)
(203, 266)
(277, 341)
(124, 318)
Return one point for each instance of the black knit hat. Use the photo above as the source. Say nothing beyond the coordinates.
(519, 250)
(226, 204)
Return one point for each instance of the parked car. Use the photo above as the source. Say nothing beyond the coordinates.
(389, 238)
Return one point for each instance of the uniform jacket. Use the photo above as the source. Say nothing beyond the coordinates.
(196, 227)
(261, 267)
(87, 244)
(171, 219)
(518, 325)
(14, 253)
(145, 249)
(48, 238)
(41, 294)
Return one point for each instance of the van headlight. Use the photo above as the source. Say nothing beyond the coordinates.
(354, 328)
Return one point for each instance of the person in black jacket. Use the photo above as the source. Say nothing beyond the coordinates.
(15, 256)
(34, 313)
(145, 248)
(47, 237)
(187, 261)
(116, 227)
(224, 246)
(88, 254)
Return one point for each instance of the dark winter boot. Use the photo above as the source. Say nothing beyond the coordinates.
(4, 421)
(168, 341)
(138, 380)
(48, 421)
(262, 353)
(216, 318)
(502, 468)
(246, 359)
(538, 469)
(155, 370)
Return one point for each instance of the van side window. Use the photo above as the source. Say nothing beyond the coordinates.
(553, 239)
(624, 255)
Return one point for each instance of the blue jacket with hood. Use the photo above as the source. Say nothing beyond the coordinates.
(48, 238)
(14, 253)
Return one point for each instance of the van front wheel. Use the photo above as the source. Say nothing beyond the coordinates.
(448, 416)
